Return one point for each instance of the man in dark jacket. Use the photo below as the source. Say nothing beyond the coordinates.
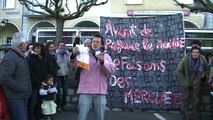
(15, 78)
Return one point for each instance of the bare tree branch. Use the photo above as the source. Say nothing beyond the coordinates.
(198, 6)
(61, 10)
(57, 8)
(67, 7)
(209, 2)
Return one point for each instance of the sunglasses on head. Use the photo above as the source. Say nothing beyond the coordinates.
(196, 46)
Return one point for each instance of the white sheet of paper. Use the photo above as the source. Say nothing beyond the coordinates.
(83, 57)
(52, 90)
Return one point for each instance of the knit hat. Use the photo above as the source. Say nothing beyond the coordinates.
(87, 40)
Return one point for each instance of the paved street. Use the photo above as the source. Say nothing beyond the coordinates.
(121, 115)
(126, 115)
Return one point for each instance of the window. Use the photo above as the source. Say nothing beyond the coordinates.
(43, 35)
(8, 4)
(133, 1)
(185, 1)
(205, 36)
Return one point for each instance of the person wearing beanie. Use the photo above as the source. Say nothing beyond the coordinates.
(191, 70)
(87, 43)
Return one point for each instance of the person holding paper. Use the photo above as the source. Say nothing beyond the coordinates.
(47, 92)
(92, 87)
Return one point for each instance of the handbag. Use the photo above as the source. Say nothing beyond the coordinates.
(4, 113)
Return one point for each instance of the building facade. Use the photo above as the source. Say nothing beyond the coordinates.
(16, 18)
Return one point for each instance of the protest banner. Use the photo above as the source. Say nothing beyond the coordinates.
(146, 52)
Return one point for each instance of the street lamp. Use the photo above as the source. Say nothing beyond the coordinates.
(2, 25)
(3, 22)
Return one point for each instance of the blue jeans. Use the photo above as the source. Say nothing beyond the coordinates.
(86, 101)
(17, 108)
(61, 83)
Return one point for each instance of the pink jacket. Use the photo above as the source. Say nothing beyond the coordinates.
(93, 81)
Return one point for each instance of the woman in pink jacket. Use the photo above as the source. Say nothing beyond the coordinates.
(92, 87)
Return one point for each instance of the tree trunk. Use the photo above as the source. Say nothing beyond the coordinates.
(59, 30)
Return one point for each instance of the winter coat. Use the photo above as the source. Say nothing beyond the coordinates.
(52, 66)
(45, 95)
(187, 77)
(15, 76)
(63, 64)
(38, 70)
(93, 81)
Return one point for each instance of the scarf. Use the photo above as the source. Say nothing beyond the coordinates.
(197, 66)
(51, 56)
(63, 56)
(19, 51)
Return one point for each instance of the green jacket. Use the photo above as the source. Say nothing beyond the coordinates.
(188, 78)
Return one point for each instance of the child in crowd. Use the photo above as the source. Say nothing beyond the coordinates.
(48, 91)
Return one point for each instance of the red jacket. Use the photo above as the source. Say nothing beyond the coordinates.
(4, 114)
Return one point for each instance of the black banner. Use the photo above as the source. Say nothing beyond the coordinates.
(146, 52)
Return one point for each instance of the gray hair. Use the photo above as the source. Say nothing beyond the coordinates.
(87, 41)
(17, 39)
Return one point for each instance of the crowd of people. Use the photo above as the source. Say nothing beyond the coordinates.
(34, 78)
